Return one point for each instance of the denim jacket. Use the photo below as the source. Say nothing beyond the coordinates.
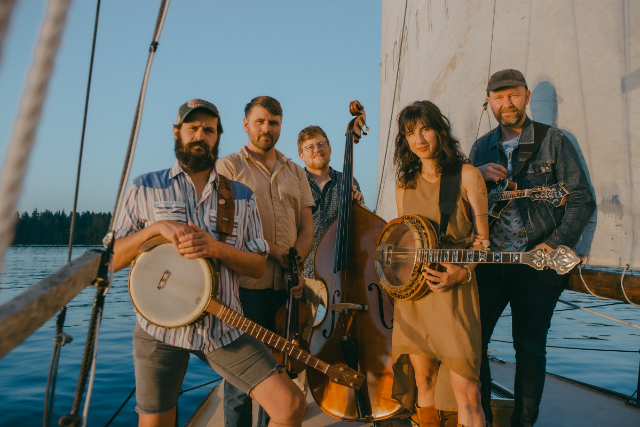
(555, 161)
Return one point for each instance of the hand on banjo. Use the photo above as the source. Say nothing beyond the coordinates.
(198, 244)
(440, 281)
(174, 230)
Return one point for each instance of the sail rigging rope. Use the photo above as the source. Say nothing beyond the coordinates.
(5, 11)
(21, 141)
(484, 106)
(393, 103)
(133, 139)
(624, 322)
(576, 348)
(180, 393)
(60, 339)
(624, 292)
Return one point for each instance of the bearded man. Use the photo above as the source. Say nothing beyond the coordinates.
(531, 154)
(181, 204)
(284, 201)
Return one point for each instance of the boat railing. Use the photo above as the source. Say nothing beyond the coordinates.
(24, 314)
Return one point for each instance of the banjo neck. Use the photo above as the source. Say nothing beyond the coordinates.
(561, 259)
(338, 373)
(469, 256)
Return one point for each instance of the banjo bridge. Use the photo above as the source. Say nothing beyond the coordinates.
(163, 279)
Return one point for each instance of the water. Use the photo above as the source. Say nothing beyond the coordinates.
(23, 372)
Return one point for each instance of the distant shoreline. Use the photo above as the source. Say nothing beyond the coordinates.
(55, 246)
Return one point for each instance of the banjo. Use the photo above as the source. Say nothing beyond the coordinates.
(171, 291)
(408, 244)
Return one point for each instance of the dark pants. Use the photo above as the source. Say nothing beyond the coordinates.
(261, 306)
(533, 296)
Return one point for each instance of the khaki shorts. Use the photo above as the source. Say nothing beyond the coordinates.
(160, 368)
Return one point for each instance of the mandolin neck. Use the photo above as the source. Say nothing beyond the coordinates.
(510, 195)
(263, 334)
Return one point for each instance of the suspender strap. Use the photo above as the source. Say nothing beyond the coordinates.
(449, 194)
(226, 210)
(525, 151)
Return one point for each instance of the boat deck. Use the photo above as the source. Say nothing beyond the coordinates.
(564, 403)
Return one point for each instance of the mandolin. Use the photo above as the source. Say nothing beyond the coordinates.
(556, 195)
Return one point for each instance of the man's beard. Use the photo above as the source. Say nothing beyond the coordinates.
(264, 144)
(319, 162)
(504, 122)
(195, 162)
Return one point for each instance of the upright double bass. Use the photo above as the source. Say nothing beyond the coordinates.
(356, 329)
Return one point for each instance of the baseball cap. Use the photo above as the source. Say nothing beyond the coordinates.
(506, 78)
(195, 104)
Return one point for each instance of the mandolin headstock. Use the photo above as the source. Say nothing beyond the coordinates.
(343, 375)
(556, 194)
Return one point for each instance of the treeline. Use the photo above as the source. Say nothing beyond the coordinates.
(52, 228)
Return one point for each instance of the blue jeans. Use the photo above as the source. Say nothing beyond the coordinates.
(533, 296)
(261, 306)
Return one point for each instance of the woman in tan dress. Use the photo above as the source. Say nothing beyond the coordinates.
(437, 339)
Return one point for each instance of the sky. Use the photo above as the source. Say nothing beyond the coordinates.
(314, 57)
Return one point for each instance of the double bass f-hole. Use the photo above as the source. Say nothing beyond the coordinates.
(336, 295)
(380, 305)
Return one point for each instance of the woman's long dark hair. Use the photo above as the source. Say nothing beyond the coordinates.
(449, 158)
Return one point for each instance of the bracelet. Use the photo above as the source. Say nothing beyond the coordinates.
(468, 278)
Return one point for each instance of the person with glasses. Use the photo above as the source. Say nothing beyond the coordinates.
(315, 151)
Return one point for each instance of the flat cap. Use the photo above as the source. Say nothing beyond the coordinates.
(506, 78)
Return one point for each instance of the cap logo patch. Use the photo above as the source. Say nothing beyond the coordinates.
(196, 103)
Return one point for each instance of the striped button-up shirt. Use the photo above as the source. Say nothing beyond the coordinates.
(170, 195)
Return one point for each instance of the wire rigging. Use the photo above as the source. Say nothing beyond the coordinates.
(89, 359)
(61, 338)
(393, 103)
(164, 6)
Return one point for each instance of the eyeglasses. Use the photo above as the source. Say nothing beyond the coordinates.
(319, 146)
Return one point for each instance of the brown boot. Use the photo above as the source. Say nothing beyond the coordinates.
(428, 417)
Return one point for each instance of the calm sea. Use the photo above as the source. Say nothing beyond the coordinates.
(23, 372)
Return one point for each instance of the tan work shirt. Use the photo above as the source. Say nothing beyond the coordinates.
(281, 196)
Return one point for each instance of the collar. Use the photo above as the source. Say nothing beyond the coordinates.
(332, 173)
(280, 158)
(177, 169)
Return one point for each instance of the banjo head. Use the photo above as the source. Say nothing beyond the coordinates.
(169, 290)
(397, 261)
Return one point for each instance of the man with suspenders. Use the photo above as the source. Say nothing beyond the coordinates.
(183, 204)
(530, 154)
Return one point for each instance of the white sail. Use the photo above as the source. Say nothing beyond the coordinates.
(581, 60)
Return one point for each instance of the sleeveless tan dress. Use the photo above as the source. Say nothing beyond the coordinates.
(442, 326)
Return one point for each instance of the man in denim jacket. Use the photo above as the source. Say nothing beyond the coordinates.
(522, 226)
